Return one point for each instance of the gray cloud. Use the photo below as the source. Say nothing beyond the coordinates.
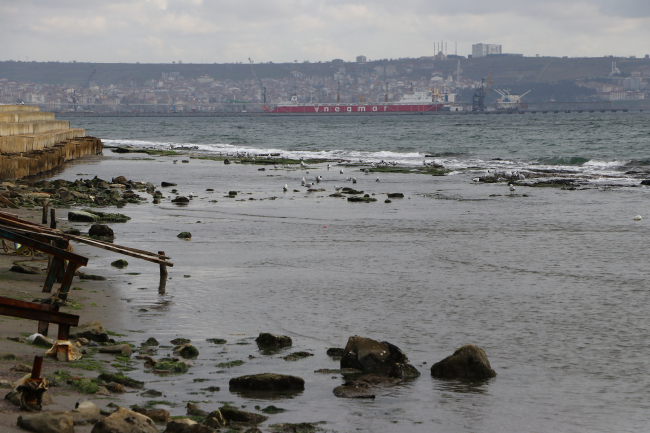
(287, 30)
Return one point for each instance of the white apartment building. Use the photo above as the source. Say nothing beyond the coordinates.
(482, 50)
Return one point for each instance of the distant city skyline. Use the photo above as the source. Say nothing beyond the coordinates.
(197, 31)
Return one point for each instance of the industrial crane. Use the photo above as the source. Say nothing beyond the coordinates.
(361, 97)
(258, 81)
(84, 87)
(478, 99)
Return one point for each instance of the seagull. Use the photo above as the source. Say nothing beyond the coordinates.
(338, 188)
(317, 179)
(309, 185)
(521, 176)
(366, 171)
(348, 179)
(373, 165)
(302, 163)
(377, 180)
(512, 189)
(341, 171)
(354, 180)
(275, 166)
(328, 166)
(476, 179)
(175, 161)
(303, 182)
(285, 187)
(192, 195)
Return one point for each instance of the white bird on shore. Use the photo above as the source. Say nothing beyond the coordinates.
(476, 179)
(328, 166)
(373, 165)
(338, 188)
(366, 171)
(285, 187)
(275, 166)
(354, 180)
(348, 179)
(512, 189)
(317, 179)
(303, 182)
(341, 171)
(307, 172)
(302, 163)
(377, 180)
(191, 195)
(521, 176)
(309, 185)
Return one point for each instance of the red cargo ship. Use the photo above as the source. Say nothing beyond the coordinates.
(417, 102)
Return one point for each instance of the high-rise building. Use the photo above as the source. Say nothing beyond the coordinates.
(361, 59)
(482, 50)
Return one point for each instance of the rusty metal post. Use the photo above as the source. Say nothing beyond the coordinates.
(36, 368)
(163, 268)
(64, 335)
(44, 221)
(53, 218)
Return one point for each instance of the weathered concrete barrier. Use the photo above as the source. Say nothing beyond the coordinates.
(41, 161)
(33, 142)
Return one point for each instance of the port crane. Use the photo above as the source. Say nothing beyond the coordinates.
(361, 97)
(258, 81)
(84, 87)
(478, 100)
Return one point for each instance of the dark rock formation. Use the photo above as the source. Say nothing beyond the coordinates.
(120, 263)
(184, 235)
(272, 341)
(101, 230)
(469, 362)
(371, 356)
(364, 387)
(232, 414)
(335, 351)
(267, 382)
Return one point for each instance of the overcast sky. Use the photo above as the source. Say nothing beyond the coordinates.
(161, 31)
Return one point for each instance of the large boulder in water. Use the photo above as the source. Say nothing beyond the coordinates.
(271, 341)
(267, 382)
(371, 356)
(101, 230)
(469, 362)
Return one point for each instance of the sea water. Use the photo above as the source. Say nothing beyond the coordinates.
(550, 282)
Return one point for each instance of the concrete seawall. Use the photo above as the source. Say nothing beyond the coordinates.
(33, 142)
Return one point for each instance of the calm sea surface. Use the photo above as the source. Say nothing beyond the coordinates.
(551, 283)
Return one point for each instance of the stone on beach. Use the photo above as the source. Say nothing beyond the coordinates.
(233, 414)
(186, 351)
(364, 387)
(85, 412)
(82, 217)
(184, 235)
(179, 425)
(166, 184)
(267, 382)
(181, 199)
(48, 422)
(121, 379)
(270, 341)
(157, 415)
(151, 342)
(93, 331)
(371, 356)
(469, 362)
(295, 356)
(24, 269)
(101, 230)
(121, 263)
(125, 421)
(335, 351)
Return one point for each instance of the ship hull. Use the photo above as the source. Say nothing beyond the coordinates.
(355, 109)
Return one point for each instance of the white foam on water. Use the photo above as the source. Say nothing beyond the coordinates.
(415, 159)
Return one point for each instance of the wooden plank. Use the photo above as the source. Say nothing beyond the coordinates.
(8, 202)
(31, 310)
(47, 249)
(51, 275)
(67, 281)
(150, 258)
